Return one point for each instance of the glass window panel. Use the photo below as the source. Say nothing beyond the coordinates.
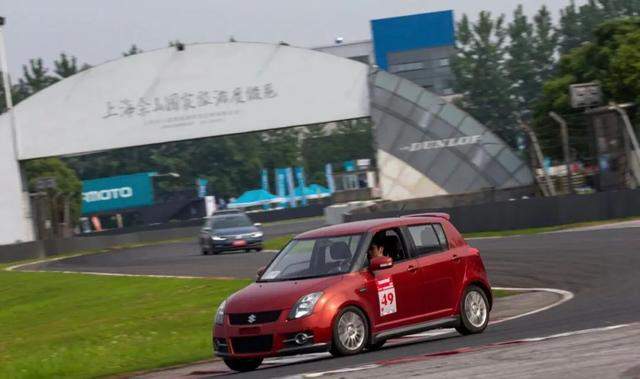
(425, 239)
(386, 81)
(452, 114)
(471, 127)
(409, 90)
(461, 179)
(509, 160)
(430, 102)
(421, 118)
(441, 235)
(401, 106)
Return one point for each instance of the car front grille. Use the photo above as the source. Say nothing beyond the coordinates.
(255, 344)
(258, 318)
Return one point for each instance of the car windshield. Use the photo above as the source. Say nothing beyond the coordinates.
(312, 258)
(228, 221)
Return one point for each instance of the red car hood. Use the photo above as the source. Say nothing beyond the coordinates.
(271, 296)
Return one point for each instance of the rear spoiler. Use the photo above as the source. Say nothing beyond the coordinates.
(445, 216)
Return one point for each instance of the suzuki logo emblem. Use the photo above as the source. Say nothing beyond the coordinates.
(252, 319)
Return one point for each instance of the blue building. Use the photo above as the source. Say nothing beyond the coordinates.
(416, 47)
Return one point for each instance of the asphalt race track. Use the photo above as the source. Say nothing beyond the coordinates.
(601, 267)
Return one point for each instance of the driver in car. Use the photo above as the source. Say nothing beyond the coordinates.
(377, 248)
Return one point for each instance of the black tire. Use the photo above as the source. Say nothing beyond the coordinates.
(360, 328)
(243, 365)
(376, 346)
(479, 319)
(205, 251)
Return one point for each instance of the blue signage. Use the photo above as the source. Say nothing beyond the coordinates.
(412, 32)
(281, 182)
(202, 187)
(328, 172)
(117, 192)
(349, 166)
(264, 176)
(302, 183)
(291, 186)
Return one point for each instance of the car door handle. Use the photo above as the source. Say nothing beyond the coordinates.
(456, 258)
(412, 268)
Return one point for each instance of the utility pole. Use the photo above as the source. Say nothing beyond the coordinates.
(564, 132)
(550, 189)
(632, 137)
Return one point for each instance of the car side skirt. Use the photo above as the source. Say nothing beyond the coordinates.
(416, 328)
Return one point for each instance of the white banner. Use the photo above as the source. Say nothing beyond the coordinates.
(205, 90)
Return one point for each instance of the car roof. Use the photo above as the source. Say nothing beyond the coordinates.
(359, 227)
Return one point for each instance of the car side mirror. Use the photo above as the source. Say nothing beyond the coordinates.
(380, 263)
(257, 224)
(261, 271)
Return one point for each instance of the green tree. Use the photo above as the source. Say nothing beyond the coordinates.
(578, 24)
(480, 74)
(613, 59)
(519, 66)
(36, 76)
(68, 186)
(65, 66)
(348, 140)
(133, 50)
(545, 45)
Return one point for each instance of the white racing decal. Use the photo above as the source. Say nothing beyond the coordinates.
(386, 297)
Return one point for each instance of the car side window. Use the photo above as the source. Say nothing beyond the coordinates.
(425, 239)
(442, 236)
(393, 244)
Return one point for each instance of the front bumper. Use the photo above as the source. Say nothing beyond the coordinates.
(272, 339)
(228, 245)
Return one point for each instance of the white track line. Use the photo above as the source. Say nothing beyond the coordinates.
(566, 296)
(427, 356)
(11, 268)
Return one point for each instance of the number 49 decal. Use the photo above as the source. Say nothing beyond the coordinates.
(386, 297)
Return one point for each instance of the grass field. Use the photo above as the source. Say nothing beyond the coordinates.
(68, 325)
(77, 326)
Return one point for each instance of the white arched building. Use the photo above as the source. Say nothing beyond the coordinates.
(426, 146)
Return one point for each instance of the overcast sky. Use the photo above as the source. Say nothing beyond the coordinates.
(100, 30)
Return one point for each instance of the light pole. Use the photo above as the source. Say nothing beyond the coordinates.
(564, 133)
(6, 81)
(4, 67)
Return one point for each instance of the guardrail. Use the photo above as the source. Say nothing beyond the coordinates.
(98, 241)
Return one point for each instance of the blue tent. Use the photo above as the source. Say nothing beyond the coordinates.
(255, 198)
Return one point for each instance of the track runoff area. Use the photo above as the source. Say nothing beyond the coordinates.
(579, 318)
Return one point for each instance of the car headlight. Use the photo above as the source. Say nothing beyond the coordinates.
(257, 235)
(217, 238)
(304, 306)
(220, 313)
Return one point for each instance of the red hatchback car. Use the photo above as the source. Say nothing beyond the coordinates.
(350, 287)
